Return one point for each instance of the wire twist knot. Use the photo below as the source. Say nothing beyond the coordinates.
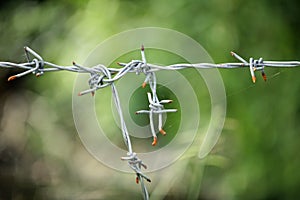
(136, 164)
(254, 65)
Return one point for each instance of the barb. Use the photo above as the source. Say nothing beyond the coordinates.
(155, 105)
(102, 76)
(38, 67)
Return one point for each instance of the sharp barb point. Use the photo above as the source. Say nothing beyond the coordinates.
(162, 132)
(154, 141)
(12, 78)
(145, 166)
(264, 76)
(144, 85)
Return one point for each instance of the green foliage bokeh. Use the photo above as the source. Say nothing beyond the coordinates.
(257, 155)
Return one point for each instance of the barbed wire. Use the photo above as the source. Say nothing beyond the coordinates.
(102, 76)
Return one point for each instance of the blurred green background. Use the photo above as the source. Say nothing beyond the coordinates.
(257, 155)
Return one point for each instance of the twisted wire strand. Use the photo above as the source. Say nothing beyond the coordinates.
(155, 105)
(135, 66)
(102, 76)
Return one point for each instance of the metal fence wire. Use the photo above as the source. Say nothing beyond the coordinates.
(102, 76)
